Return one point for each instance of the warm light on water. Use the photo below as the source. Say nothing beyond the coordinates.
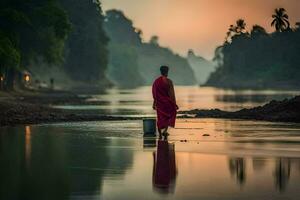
(138, 102)
(112, 160)
(28, 145)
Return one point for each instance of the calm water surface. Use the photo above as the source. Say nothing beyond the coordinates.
(112, 160)
(137, 102)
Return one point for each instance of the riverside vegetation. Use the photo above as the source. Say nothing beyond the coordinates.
(258, 59)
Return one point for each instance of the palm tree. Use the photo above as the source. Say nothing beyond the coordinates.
(297, 25)
(240, 26)
(230, 32)
(237, 29)
(280, 20)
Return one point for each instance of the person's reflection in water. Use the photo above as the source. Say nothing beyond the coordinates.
(164, 167)
(282, 173)
(149, 141)
(237, 169)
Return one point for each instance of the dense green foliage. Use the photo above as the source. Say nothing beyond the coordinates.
(9, 55)
(41, 33)
(134, 62)
(30, 29)
(259, 59)
(123, 64)
(86, 49)
(37, 34)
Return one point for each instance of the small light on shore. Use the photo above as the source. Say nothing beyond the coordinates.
(27, 78)
(1, 78)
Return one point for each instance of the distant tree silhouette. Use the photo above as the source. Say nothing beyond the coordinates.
(230, 32)
(237, 29)
(258, 30)
(123, 68)
(86, 48)
(258, 59)
(297, 26)
(280, 20)
(154, 40)
(133, 62)
(240, 26)
(120, 28)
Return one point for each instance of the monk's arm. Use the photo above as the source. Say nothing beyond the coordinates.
(154, 98)
(154, 104)
(172, 92)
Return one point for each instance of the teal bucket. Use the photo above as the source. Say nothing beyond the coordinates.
(149, 126)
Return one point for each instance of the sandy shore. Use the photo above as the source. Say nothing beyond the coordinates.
(34, 108)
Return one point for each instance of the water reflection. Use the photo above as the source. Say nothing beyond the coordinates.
(149, 141)
(258, 164)
(164, 167)
(237, 170)
(111, 160)
(52, 163)
(282, 173)
(27, 145)
(237, 97)
(29, 169)
(137, 102)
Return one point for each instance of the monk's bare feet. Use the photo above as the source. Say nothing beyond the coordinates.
(165, 134)
(160, 136)
(166, 137)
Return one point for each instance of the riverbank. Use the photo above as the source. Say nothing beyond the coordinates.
(287, 110)
(29, 107)
(33, 107)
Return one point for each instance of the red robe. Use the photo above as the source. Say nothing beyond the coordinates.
(164, 100)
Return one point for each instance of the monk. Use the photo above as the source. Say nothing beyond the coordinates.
(164, 102)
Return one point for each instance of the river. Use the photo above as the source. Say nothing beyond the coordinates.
(203, 158)
(138, 102)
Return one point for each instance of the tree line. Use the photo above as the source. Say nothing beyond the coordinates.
(91, 48)
(258, 59)
(134, 62)
(67, 33)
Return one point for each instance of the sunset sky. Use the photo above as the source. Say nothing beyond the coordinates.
(200, 25)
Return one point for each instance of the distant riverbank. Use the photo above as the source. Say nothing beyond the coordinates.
(287, 110)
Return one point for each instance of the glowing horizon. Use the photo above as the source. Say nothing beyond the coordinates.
(194, 24)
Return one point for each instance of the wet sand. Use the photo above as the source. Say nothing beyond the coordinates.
(35, 108)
